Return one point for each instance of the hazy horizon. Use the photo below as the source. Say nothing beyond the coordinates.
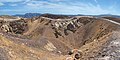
(55, 14)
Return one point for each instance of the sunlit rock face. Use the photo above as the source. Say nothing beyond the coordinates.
(54, 37)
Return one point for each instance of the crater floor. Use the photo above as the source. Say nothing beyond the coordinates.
(55, 38)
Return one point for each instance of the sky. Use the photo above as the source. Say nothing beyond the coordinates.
(73, 7)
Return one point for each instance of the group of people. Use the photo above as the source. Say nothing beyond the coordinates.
(74, 54)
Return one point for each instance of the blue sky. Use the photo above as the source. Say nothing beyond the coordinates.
(88, 7)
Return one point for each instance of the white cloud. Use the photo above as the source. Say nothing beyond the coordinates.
(56, 0)
(65, 8)
(8, 10)
(13, 4)
(11, 0)
(70, 8)
(77, 8)
(95, 9)
(36, 4)
(1, 4)
(26, 1)
(96, 1)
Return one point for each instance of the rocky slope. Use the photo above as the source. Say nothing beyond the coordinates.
(46, 38)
